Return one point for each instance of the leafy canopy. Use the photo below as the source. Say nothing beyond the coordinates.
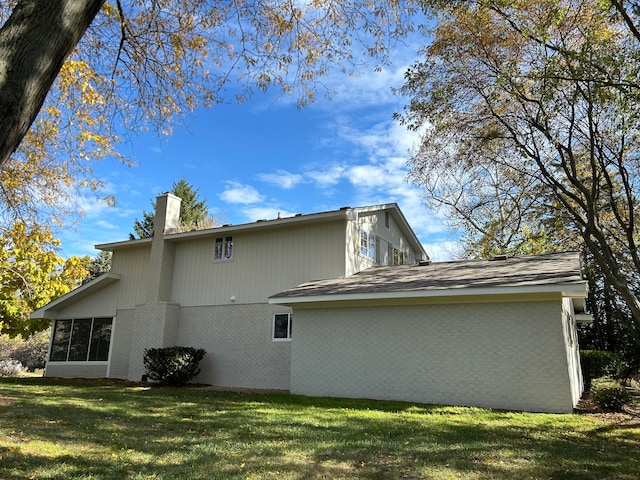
(32, 275)
(143, 65)
(536, 103)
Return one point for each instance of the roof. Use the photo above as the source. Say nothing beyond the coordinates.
(345, 213)
(526, 274)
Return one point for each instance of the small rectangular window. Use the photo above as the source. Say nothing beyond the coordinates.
(217, 252)
(223, 249)
(282, 326)
(372, 246)
(386, 219)
(228, 248)
(363, 242)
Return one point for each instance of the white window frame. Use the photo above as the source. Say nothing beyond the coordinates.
(364, 242)
(223, 249)
(273, 327)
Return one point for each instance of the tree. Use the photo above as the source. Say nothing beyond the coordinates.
(547, 91)
(76, 74)
(194, 213)
(96, 266)
(31, 275)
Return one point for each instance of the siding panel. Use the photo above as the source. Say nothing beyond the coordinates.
(264, 262)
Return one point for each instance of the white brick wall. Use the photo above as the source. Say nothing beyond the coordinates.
(507, 355)
(237, 338)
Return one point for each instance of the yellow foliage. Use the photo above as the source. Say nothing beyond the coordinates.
(32, 275)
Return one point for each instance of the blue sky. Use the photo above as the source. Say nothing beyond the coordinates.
(264, 157)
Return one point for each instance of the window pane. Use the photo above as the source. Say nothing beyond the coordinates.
(100, 338)
(217, 253)
(363, 242)
(60, 344)
(281, 325)
(79, 347)
(228, 247)
(372, 246)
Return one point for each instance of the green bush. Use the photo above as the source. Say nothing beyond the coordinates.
(32, 353)
(609, 394)
(598, 363)
(173, 365)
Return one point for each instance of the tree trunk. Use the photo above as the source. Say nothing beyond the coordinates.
(34, 43)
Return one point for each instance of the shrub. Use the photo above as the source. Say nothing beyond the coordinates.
(32, 353)
(609, 394)
(10, 368)
(598, 363)
(173, 365)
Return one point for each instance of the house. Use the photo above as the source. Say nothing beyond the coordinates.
(209, 289)
(374, 317)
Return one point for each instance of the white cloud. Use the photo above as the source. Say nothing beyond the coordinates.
(368, 176)
(281, 178)
(238, 193)
(265, 213)
(327, 177)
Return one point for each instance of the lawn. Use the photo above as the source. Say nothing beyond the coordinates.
(55, 429)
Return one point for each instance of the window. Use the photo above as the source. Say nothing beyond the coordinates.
(396, 257)
(372, 246)
(282, 326)
(81, 340)
(223, 249)
(386, 219)
(363, 242)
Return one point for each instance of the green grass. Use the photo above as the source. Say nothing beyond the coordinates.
(92, 430)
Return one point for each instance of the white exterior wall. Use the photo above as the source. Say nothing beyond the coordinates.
(387, 238)
(507, 355)
(265, 262)
(77, 369)
(131, 264)
(238, 341)
(572, 350)
(121, 344)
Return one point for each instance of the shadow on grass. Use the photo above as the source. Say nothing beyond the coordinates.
(68, 429)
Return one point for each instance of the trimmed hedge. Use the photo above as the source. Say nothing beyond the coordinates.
(173, 365)
(598, 363)
(609, 394)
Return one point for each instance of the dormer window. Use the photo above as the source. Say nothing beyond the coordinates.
(223, 248)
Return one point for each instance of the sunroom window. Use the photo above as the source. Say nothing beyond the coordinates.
(81, 340)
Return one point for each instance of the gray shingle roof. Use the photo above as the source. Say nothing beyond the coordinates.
(561, 269)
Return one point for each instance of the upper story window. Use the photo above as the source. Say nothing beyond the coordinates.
(387, 221)
(223, 248)
(368, 244)
(372, 247)
(363, 242)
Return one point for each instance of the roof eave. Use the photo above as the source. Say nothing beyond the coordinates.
(568, 290)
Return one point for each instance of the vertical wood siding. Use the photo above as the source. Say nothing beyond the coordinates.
(132, 265)
(265, 262)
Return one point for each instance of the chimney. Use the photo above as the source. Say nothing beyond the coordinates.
(167, 218)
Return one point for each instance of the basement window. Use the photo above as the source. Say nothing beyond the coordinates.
(81, 340)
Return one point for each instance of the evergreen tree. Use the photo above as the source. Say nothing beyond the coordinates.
(194, 213)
